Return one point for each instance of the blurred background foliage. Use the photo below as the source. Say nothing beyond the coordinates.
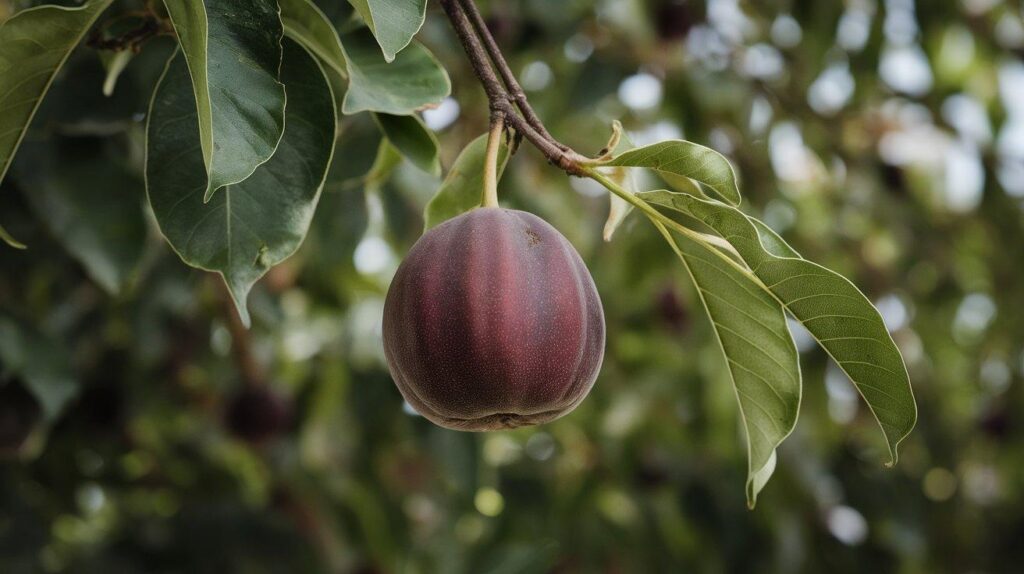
(883, 138)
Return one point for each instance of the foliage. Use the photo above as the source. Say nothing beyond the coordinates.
(298, 148)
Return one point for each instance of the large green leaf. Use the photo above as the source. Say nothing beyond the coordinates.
(687, 159)
(463, 187)
(835, 312)
(413, 81)
(43, 365)
(259, 222)
(90, 201)
(762, 359)
(412, 139)
(233, 51)
(34, 44)
(392, 23)
(305, 23)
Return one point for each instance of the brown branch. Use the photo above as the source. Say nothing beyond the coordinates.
(241, 342)
(498, 96)
(475, 52)
(148, 27)
(514, 90)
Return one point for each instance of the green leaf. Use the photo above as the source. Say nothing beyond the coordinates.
(9, 240)
(462, 189)
(41, 363)
(358, 143)
(682, 184)
(413, 139)
(618, 208)
(261, 221)
(750, 326)
(90, 202)
(305, 23)
(415, 80)
(114, 63)
(392, 23)
(233, 51)
(835, 312)
(683, 158)
(384, 164)
(34, 44)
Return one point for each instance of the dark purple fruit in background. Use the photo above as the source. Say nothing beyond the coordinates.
(493, 322)
(257, 414)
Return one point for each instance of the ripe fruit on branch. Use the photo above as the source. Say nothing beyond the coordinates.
(493, 322)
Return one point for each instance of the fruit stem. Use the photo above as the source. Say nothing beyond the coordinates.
(490, 198)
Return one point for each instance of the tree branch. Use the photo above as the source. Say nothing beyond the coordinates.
(498, 96)
(515, 91)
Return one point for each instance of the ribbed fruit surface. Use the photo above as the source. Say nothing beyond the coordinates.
(493, 321)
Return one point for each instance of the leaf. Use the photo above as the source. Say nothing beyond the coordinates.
(415, 80)
(618, 208)
(750, 326)
(34, 44)
(358, 144)
(384, 164)
(43, 365)
(233, 51)
(261, 221)
(305, 23)
(683, 158)
(462, 189)
(9, 240)
(682, 184)
(89, 201)
(392, 23)
(835, 312)
(413, 139)
(114, 63)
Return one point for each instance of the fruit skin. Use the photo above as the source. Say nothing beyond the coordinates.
(493, 322)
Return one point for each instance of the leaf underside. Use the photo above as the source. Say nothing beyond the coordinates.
(762, 359)
(687, 159)
(835, 312)
(305, 23)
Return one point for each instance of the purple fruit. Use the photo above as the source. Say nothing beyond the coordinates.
(257, 414)
(493, 322)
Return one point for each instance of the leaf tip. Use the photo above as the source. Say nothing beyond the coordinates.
(239, 293)
(10, 240)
